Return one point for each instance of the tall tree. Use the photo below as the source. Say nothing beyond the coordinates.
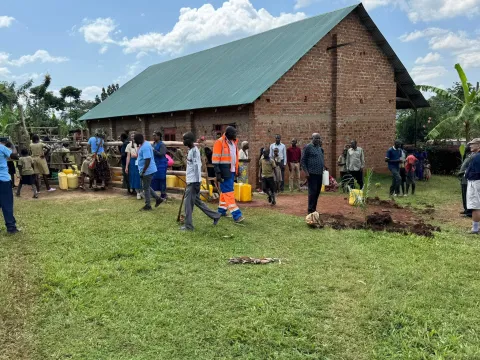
(466, 112)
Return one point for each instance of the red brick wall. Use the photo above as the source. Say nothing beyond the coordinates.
(301, 102)
(366, 106)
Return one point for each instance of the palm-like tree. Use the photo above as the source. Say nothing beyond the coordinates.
(10, 96)
(467, 110)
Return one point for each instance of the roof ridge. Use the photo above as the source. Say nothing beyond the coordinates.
(352, 7)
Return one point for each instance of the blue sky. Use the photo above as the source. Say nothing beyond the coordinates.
(89, 44)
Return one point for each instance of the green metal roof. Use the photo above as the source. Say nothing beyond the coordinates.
(237, 73)
(232, 74)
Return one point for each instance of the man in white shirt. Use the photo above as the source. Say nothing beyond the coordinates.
(193, 179)
(356, 162)
(282, 154)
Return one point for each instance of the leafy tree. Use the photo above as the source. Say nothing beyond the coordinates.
(465, 114)
(10, 96)
(106, 93)
(70, 92)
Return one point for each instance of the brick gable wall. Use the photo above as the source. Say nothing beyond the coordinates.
(303, 101)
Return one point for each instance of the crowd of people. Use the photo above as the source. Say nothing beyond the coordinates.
(145, 164)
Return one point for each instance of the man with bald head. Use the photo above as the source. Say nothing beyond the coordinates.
(313, 163)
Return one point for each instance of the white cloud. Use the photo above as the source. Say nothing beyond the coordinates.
(234, 19)
(419, 34)
(423, 74)
(98, 31)
(103, 49)
(469, 59)
(6, 21)
(304, 3)
(141, 54)
(39, 56)
(89, 92)
(25, 77)
(4, 72)
(430, 10)
(453, 41)
(132, 70)
(429, 58)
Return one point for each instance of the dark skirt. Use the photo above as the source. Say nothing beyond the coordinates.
(102, 170)
(159, 185)
(27, 180)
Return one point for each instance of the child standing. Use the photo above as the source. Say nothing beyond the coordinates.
(278, 169)
(410, 168)
(27, 173)
(267, 174)
(194, 179)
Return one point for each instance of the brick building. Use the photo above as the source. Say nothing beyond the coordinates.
(334, 74)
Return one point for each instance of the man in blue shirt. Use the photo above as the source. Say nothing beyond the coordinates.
(95, 144)
(394, 158)
(6, 194)
(147, 168)
(473, 188)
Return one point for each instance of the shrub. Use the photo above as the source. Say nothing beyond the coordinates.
(445, 159)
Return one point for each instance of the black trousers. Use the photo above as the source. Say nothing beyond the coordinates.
(269, 186)
(403, 175)
(314, 189)
(358, 176)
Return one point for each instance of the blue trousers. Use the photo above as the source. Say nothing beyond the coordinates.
(6, 203)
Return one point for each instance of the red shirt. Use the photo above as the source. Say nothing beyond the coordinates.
(411, 162)
(294, 154)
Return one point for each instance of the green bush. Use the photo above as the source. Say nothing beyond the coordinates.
(445, 159)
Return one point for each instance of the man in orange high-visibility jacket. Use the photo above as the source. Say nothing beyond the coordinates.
(225, 163)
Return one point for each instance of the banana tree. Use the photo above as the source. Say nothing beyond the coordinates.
(7, 120)
(10, 96)
(468, 106)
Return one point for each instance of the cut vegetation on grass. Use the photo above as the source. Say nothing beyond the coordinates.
(102, 281)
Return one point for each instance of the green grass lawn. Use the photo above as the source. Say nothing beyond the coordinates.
(96, 279)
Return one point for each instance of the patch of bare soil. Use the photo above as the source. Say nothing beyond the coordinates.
(335, 212)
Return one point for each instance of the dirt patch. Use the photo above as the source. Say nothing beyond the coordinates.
(378, 222)
(336, 213)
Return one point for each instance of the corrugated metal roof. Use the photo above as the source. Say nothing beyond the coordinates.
(232, 74)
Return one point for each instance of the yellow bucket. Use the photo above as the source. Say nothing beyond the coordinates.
(67, 171)
(62, 181)
(181, 182)
(72, 180)
(356, 197)
(210, 190)
(171, 181)
(245, 192)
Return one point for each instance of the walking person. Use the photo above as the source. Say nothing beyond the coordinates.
(282, 153)
(225, 162)
(267, 174)
(393, 158)
(410, 167)
(194, 179)
(40, 166)
(123, 154)
(159, 182)
(313, 163)
(403, 171)
(294, 155)
(473, 187)
(356, 162)
(463, 180)
(146, 169)
(27, 174)
(6, 194)
(131, 167)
